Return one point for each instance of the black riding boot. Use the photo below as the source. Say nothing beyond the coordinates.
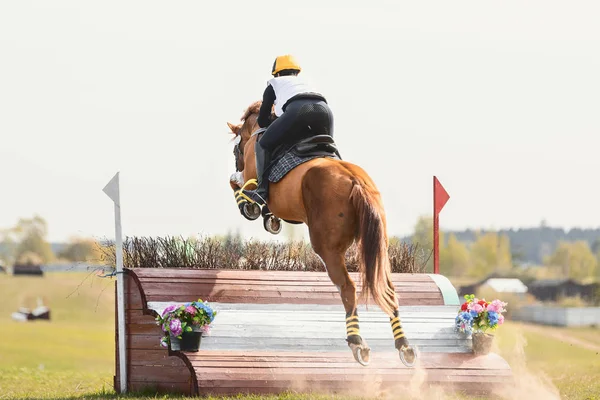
(263, 158)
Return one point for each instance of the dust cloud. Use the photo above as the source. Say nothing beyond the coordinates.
(526, 383)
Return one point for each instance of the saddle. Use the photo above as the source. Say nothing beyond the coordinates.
(319, 145)
(288, 156)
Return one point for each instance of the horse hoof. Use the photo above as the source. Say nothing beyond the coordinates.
(250, 211)
(408, 355)
(361, 353)
(272, 224)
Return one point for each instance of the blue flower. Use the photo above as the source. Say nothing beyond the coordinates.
(464, 322)
(466, 316)
(200, 305)
(493, 318)
(207, 309)
(474, 313)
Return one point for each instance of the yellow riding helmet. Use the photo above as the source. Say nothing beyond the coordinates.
(285, 62)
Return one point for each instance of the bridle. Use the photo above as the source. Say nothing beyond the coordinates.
(238, 151)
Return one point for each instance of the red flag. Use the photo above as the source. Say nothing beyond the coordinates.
(440, 195)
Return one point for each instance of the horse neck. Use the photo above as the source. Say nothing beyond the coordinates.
(249, 159)
(252, 125)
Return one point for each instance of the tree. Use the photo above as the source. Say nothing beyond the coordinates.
(8, 247)
(454, 257)
(423, 236)
(596, 246)
(32, 238)
(490, 253)
(29, 258)
(27, 239)
(574, 260)
(82, 250)
(596, 251)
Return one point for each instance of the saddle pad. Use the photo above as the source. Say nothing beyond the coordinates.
(287, 163)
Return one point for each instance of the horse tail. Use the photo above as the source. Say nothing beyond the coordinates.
(372, 240)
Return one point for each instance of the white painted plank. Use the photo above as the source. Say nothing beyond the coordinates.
(310, 329)
(316, 334)
(222, 342)
(293, 327)
(246, 315)
(241, 317)
(311, 316)
(340, 340)
(330, 345)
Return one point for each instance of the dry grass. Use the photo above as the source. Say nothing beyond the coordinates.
(232, 253)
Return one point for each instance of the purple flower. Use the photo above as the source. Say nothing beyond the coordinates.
(175, 326)
(168, 310)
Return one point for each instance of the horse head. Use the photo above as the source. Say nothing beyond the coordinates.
(243, 133)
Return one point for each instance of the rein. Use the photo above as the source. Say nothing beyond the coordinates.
(238, 151)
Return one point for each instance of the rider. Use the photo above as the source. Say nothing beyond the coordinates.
(300, 111)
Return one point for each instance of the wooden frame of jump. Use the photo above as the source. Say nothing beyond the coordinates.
(274, 327)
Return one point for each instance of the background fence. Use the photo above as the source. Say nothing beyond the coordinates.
(559, 316)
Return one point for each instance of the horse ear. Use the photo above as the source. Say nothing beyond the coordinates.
(234, 128)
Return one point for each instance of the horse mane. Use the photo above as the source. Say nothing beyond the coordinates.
(253, 108)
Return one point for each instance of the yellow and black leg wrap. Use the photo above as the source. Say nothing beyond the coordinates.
(241, 197)
(399, 338)
(352, 328)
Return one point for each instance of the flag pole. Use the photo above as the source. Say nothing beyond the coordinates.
(440, 197)
(112, 190)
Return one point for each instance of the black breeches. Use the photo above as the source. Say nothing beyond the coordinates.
(302, 119)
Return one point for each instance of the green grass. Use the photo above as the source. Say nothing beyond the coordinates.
(72, 356)
(591, 335)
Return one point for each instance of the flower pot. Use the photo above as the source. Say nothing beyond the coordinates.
(482, 343)
(190, 341)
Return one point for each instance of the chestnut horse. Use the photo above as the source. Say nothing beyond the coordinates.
(339, 203)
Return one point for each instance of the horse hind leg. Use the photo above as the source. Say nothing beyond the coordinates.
(336, 269)
(332, 225)
(407, 353)
(360, 350)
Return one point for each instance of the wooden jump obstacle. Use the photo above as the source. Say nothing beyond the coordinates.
(284, 331)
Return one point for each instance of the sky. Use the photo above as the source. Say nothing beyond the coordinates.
(499, 100)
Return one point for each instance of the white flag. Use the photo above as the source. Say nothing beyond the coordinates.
(112, 189)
